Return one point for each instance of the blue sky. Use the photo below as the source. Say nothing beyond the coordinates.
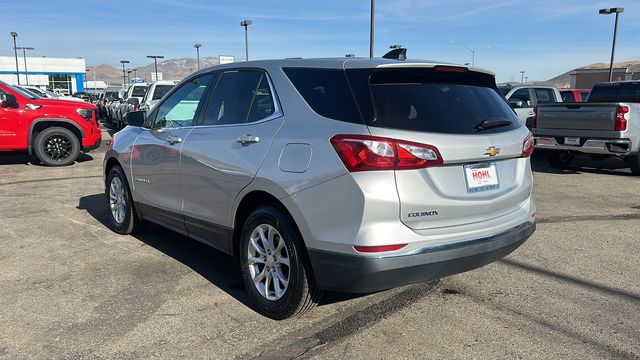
(542, 37)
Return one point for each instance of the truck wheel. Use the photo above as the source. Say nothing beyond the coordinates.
(634, 164)
(124, 218)
(272, 261)
(560, 159)
(56, 146)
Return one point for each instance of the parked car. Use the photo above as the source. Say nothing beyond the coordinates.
(47, 94)
(574, 95)
(524, 98)
(130, 102)
(324, 174)
(155, 92)
(113, 106)
(55, 130)
(608, 124)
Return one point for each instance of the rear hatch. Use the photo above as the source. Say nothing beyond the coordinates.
(477, 135)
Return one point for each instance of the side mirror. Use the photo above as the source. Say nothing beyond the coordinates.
(9, 101)
(133, 101)
(517, 104)
(136, 118)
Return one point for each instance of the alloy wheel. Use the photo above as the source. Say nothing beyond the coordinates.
(117, 200)
(57, 147)
(268, 262)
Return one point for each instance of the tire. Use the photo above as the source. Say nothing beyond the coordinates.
(560, 159)
(634, 164)
(56, 146)
(300, 294)
(122, 213)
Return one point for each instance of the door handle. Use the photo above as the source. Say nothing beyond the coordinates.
(174, 140)
(248, 139)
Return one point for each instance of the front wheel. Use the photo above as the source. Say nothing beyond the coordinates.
(560, 159)
(56, 146)
(273, 263)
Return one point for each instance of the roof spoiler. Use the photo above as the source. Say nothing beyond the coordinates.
(396, 53)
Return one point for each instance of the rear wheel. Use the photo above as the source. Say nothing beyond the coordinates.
(560, 159)
(634, 164)
(273, 263)
(124, 218)
(56, 146)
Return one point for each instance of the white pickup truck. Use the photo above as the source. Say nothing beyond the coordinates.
(608, 124)
(524, 98)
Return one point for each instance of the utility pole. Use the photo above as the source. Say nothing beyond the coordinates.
(371, 27)
(197, 46)
(246, 24)
(15, 51)
(124, 75)
(155, 61)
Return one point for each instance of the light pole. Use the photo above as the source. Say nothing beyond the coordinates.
(135, 73)
(124, 76)
(526, 80)
(616, 11)
(198, 46)
(371, 27)
(246, 24)
(15, 51)
(155, 61)
(522, 77)
(129, 76)
(24, 57)
(472, 50)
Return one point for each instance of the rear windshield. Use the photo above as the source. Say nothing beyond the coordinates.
(620, 92)
(428, 100)
(160, 91)
(138, 91)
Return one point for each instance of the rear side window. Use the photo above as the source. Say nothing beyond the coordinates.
(545, 96)
(326, 91)
(427, 100)
(232, 97)
(160, 91)
(138, 91)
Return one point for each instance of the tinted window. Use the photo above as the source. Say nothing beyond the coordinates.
(262, 105)
(326, 91)
(584, 95)
(138, 91)
(603, 93)
(161, 90)
(432, 101)
(545, 96)
(567, 96)
(232, 97)
(629, 92)
(521, 94)
(180, 108)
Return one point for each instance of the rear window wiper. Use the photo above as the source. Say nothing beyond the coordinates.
(491, 124)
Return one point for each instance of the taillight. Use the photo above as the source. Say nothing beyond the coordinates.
(382, 248)
(621, 121)
(364, 152)
(450, 68)
(135, 107)
(534, 119)
(528, 145)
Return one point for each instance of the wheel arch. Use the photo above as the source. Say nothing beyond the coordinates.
(41, 124)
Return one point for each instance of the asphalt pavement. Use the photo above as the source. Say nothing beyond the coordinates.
(71, 288)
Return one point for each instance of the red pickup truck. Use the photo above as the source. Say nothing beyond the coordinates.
(55, 130)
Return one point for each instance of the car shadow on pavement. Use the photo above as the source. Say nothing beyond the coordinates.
(23, 158)
(215, 266)
(582, 164)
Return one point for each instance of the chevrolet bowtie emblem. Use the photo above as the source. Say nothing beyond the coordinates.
(492, 151)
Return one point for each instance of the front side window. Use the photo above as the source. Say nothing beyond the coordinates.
(234, 95)
(521, 94)
(179, 110)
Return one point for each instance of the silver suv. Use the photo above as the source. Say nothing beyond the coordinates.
(352, 175)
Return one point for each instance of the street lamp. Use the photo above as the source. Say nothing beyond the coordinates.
(129, 71)
(246, 24)
(155, 61)
(24, 57)
(124, 76)
(135, 73)
(522, 77)
(198, 46)
(616, 11)
(472, 50)
(371, 27)
(526, 80)
(15, 51)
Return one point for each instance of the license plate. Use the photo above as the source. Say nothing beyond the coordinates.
(481, 177)
(571, 140)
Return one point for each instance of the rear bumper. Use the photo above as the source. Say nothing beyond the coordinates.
(588, 146)
(359, 274)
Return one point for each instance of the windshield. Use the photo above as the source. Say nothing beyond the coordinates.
(138, 91)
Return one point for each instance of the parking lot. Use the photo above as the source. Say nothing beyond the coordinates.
(71, 288)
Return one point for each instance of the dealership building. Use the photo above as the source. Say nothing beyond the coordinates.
(57, 74)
